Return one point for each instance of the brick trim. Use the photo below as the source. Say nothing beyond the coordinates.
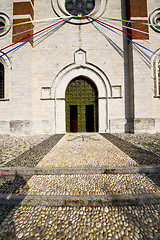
(23, 8)
(137, 9)
(21, 28)
(139, 27)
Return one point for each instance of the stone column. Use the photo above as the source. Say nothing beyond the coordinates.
(60, 115)
(102, 115)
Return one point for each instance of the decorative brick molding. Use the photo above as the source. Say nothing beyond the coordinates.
(23, 12)
(137, 13)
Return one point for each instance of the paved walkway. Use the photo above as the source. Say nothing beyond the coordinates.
(85, 222)
(85, 149)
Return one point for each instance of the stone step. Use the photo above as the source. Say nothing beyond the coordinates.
(80, 189)
(83, 200)
(21, 171)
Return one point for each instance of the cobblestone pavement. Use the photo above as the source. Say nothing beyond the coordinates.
(96, 184)
(143, 148)
(110, 222)
(76, 150)
(149, 142)
(25, 151)
(87, 223)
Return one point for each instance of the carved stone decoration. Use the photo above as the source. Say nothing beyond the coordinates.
(155, 19)
(79, 7)
(4, 21)
(64, 8)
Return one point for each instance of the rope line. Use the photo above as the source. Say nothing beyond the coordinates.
(48, 19)
(12, 35)
(33, 34)
(40, 33)
(33, 21)
(128, 21)
(119, 29)
(129, 28)
(126, 37)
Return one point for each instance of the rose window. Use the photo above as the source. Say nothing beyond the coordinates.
(79, 7)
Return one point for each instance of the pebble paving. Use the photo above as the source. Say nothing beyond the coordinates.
(11, 147)
(84, 149)
(87, 223)
(96, 184)
(149, 142)
(25, 151)
(109, 222)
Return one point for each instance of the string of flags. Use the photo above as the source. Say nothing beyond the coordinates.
(37, 34)
(62, 20)
(105, 25)
(58, 18)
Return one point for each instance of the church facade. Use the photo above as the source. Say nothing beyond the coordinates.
(98, 71)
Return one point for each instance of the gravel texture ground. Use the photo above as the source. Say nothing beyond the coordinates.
(148, 142)
(96, 184)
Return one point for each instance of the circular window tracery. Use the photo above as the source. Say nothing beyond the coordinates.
(64, 8)
(155, 20)
(1, 26)
(4, 21)
(79, 7)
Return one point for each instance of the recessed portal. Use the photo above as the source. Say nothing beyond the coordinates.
(81, 106)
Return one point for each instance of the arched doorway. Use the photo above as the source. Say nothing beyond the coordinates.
(81, 106)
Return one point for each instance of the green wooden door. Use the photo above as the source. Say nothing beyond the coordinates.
(81, 93)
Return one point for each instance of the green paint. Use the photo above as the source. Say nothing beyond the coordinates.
(81, 92)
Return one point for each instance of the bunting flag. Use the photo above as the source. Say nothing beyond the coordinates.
(118, 29)
(127, 21)
(39, 33)
(104, 25)
(107, 26)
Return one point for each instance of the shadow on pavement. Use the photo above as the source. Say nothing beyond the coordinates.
(13, 185)
(34, 155)
(141, 156)
(9, 186)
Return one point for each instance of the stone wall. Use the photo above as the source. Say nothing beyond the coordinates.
(37, 73)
